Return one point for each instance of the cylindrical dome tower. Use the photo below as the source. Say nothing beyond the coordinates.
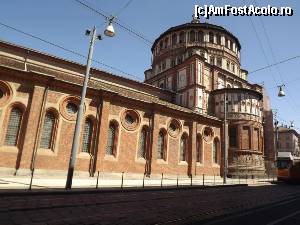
(200, 62)
(245, 129)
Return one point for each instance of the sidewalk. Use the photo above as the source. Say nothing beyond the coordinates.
(19, 183)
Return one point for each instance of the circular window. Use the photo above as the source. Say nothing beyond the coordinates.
(68, 107)
(208, 134)
(72, 108)
(130, 120)
(5, 93)
(174, 128)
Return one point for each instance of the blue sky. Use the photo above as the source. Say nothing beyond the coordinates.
(64, 22)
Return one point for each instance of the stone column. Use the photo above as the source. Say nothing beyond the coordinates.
(102, 137)
(192, 148)
(251, 147)
(154, 130)
(30, 129)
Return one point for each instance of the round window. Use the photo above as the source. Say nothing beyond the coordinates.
(72, 108)
(129, 119)
(208, 134)
(174, 128)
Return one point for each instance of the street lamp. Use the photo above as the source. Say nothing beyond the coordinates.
(281, 92)
(110, 33)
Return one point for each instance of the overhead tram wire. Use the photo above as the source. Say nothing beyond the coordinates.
(261, 46)
(290, 97)
(266, 58)
(274, 64)
(69, 50)
(123, 8)
(125, 27)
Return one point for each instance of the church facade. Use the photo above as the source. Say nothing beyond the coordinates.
(171, 123)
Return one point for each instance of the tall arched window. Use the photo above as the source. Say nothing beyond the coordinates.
(13, 128)
(182, 37)
(211, 37)
(174, 39)
(143, 143)
(215, 151)
(192, 36)
(218, 37)
(183, 148)
(161, 145)
(226, 42)
(200, 36)
(48, 131)
(166, 42)
(87, 136)
(111, 146)
(199, 153)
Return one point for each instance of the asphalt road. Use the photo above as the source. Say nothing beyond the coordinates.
(225, 205)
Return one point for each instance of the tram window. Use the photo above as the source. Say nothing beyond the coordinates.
(283, 164)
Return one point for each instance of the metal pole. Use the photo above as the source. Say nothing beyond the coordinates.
(80, 114)
(97, 180)
(161, 182)
(177, 181)
(122, 181)
(31, 178)
(225, 140)
(191, 180)
(203, 180)
(144, 180)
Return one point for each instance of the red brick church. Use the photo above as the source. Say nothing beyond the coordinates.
(171, 123)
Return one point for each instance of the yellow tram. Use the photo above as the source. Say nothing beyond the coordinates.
(288, 167)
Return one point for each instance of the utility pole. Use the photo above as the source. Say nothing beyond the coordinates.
(276, 134)
(76, 137)
(225, 140)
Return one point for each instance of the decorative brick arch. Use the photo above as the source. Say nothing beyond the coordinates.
(6, 93)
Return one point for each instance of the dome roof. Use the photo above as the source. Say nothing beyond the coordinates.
(196, 25)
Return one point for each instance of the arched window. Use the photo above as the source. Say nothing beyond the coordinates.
(183, 148)
(111, 146)
(199, 153)
(212, 60)
(161, 145)
(160, 45)
(143, 142)
(211, 37)
(192, 36)
(218, 37)
(200, 36)
(226, 42)
(13, 128)
(182, 37)
(166, 42)
(215, 151)
(87, 136)
(174, 39)
(48, 131)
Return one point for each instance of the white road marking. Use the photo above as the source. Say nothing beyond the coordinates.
(284, 218)
(250, 212)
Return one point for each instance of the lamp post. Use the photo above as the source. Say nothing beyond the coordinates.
(108, 32)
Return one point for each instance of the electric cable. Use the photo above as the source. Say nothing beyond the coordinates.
(68, 50)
